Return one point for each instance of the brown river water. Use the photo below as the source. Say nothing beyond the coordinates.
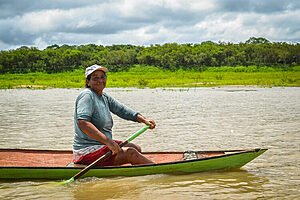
(187, 119)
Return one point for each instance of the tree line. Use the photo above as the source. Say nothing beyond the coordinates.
(170, 56)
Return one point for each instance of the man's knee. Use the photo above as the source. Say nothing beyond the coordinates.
(131, 152)
(137, 147)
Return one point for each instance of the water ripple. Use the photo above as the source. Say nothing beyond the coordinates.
(187, 119)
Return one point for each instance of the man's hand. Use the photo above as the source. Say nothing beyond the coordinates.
(150, 122)
(114, 147)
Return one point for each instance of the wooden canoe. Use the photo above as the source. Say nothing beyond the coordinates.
(55, 164)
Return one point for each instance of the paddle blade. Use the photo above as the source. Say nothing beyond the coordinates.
(71, 180)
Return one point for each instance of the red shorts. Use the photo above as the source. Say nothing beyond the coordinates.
(91, 157)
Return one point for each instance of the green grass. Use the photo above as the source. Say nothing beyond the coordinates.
(147, 76)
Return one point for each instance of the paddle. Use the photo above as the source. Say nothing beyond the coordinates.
(87, 168)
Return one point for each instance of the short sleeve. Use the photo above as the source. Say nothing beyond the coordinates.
(84, 107)
(120, 109)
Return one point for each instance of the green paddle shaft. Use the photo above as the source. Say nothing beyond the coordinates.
(139, 132)
(86, 169)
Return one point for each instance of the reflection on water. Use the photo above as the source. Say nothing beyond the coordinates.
(187, 119)
(191, 186)
(217, 185)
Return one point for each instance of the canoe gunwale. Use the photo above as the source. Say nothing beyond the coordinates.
(219, 160)
(235, 152)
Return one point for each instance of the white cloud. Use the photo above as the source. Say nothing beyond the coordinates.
(143, 22)
(40, 42)
(228, 27)
(40, 22)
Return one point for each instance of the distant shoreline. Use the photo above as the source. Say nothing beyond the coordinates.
(152, 77)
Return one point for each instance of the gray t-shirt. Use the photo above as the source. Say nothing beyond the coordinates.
(97, 109)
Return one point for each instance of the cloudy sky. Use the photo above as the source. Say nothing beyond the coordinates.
(41, 23)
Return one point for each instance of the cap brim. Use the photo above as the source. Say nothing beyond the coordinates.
(104, 69)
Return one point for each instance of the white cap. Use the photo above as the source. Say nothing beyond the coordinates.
(89, 70)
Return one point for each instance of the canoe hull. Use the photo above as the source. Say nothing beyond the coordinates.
(230, 161)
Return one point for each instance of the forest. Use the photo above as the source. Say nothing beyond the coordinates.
(258, 52)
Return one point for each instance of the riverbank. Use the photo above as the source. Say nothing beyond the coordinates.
(153, 77)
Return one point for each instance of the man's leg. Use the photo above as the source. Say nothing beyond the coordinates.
(132, 156)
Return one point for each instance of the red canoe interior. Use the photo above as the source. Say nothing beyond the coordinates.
(57, 158)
